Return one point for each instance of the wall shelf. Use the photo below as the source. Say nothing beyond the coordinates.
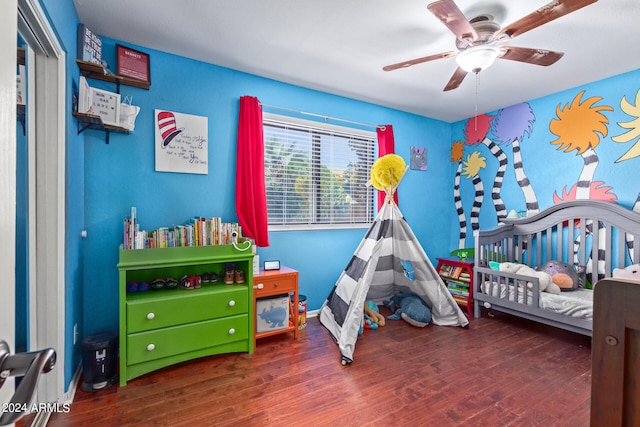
(95, 71)
(91, 121)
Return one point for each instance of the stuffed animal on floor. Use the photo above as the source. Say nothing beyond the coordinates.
(409, 307)
(371, 317)
(544, 279)
(371, 310)
(562, 274)
(631, 272)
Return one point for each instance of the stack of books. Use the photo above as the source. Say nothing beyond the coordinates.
(200, 231)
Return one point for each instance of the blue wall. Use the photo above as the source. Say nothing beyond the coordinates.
(121, 175)
(549, 168)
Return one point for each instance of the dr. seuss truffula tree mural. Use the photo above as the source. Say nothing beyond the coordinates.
(472, 167)
(633, 126)
(580, 126)
(632, 133)
(457, 153)
(475, 131)
(510, 126)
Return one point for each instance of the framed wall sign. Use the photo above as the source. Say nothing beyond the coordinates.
(106, 105)
(133, 64)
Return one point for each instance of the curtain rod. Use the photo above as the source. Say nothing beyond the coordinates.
(323, 116)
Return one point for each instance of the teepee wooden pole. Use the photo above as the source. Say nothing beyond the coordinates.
(394, 188)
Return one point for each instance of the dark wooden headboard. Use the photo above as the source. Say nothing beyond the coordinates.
(615, 358)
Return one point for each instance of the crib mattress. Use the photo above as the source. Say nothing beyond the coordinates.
(578, 303)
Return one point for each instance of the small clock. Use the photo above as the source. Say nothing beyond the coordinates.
(272, 265)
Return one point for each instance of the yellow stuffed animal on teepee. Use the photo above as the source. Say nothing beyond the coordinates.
(386, 174)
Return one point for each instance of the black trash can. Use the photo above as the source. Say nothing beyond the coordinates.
(99, 361)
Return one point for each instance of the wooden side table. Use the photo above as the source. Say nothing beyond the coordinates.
(277, 282)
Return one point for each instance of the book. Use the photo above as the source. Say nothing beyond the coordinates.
(89, 45)
(200, 231)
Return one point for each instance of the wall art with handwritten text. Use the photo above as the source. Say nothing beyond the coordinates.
(181, 143)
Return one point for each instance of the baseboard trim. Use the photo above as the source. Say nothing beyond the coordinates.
(42, 418)
(73, 385)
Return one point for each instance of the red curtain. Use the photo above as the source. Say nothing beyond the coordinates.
(386, 145)
(251, 195)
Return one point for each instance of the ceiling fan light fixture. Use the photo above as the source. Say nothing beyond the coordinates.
(477, 58)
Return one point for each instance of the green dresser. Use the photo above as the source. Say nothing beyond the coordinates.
(161, 327)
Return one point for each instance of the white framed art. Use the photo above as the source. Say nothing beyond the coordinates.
(106, 105)
(181, 142)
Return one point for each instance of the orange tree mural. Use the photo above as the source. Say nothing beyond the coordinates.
(457, 152)
(579, 126)
(477, 134)
(510, 126)
(472, 167)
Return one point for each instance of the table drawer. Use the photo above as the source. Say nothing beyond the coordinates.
(146, 346)
(264, 286)
(186, 307)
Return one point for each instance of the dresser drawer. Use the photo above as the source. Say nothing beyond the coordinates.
(146, 346)
(265, 286)
(185, 307)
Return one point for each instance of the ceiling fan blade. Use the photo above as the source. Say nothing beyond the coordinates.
(411, 62)
(456, 79)
(547, 13)
(530, 56)
(452, 17)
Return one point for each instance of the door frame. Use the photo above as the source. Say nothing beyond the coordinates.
(8, 44)
(47, 193)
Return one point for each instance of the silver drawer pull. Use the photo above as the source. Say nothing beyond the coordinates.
(232, 303)
(151, 347)
(232, 331)
(151, 316)
(260, 286)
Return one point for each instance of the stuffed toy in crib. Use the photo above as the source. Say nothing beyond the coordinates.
(631, 272)
(544, 279)
(562, 274)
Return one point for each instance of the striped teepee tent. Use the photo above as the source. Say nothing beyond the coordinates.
(389, 260)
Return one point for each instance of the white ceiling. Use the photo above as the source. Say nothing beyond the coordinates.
(340, 47)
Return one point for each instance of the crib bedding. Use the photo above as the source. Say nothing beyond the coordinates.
(578, 303)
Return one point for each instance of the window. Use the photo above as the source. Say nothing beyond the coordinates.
(316, 174)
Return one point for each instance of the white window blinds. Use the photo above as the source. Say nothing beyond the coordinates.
(316, 174)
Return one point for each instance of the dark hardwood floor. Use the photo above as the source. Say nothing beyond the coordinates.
(502, 371)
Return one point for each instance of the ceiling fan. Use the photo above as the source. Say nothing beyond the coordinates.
(479, 40)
